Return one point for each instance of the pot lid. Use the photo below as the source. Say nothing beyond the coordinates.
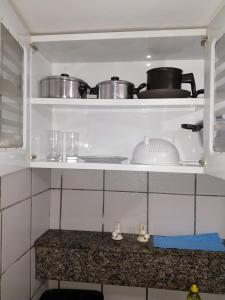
(65, 77)
(115, 80)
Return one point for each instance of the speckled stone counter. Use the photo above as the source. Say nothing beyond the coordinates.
(94, 257)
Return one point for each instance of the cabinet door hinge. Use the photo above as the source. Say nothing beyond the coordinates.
(203, 162)
(204, 40)
(33, 47)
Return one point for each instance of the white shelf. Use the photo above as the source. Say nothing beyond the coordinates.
(119, 167)
(121, 46)
(127, 103)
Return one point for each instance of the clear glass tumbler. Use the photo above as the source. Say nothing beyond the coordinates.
(53, 145)
(71, 140)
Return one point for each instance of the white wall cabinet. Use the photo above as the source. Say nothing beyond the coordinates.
(114, 127)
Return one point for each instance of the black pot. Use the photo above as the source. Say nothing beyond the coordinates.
(169, 78)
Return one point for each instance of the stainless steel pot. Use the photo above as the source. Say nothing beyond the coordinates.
(63, 86)
(116, 89)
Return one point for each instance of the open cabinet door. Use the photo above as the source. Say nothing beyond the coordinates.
(14, 91)
(214, 115)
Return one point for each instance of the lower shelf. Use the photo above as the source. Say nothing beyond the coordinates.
(118, 167)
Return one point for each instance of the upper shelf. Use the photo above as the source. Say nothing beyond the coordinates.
(118, 103)
(122, 46)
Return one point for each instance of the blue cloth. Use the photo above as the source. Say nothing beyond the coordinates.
(208, 242)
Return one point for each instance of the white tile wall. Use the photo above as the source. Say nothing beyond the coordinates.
(80, 285)
(210, 215)
(83, 179)
(171, 183)
(15, 283)
(35, 284)
(123, 293)
(15, 187)
(40, 214)
(56, 178)
(130, 209)
(126, 181)
(82, 210)
(171, 214)
(209, 185)
(55, 209)
(41, 180)
(15, 232)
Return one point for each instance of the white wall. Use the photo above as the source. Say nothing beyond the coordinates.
(25, 215)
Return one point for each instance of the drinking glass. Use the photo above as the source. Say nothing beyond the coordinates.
(53, 145)
(71, 140)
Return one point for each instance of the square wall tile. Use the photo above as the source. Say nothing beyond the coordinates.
(83, 179)
(16, 281)
(52, 284)
(126, 181)
(160, 294)
(41, 180)
(15, 232)
(40, 214)
(15, 187)
(82, 210)
(130, 209)
(113, 292)
(56, 178)
(171, 183)
(210, 215)
(171, 214)
(80, 285)
(209, 185)
(35, 284)
(55, 209)
(40, 291)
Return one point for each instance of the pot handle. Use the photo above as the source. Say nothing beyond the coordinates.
(94, 90)
(83, 89)
(140, 87)
(192, 127)
(200, 92)
(189, 78)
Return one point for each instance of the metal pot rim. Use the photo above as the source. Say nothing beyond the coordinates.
(64, 78)
(115, 82)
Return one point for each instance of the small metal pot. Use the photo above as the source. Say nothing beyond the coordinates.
(63, 86)
(116, 89)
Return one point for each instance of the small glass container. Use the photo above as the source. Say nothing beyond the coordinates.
(53, 145)
(71, 140)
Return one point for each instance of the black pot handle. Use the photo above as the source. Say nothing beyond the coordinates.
(94, 90)
(192, 127)
(200, 92)
(83, 89)
(189, 78)
(140, 87)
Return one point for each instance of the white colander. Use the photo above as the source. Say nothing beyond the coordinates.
(155, 152)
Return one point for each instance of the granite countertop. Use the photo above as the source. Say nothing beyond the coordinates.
(87, 256)
(92, 240)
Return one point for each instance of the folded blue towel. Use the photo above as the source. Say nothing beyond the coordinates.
(208, 242)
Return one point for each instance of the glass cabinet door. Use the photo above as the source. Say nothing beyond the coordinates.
(214, 112)
(11, 91)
